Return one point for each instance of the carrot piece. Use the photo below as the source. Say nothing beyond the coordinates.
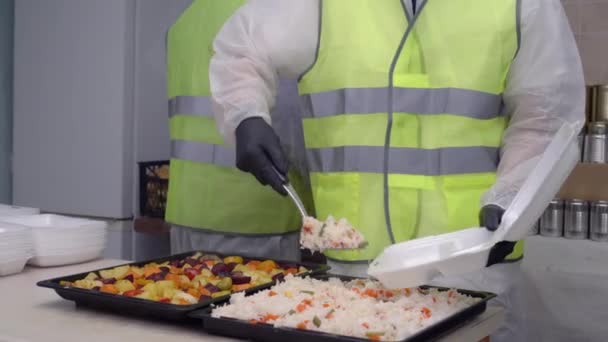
(109, 288)
(253, 264)
(302, 325)
(365, 325)
(269, 317)
(271, 294)
(209, 263)
(253, 321)
(204, 292)
(148, 271)
(240, 287)
(374, 337)
(301, 307)
(293, 271)
(326, 305)
(194, 292)
(371, 293)
(174, 277)
(426, 312)
(408, 292)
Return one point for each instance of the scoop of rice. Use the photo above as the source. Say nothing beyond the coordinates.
(361, 308)
(330, 234)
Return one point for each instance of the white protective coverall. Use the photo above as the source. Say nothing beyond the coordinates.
(266, 39)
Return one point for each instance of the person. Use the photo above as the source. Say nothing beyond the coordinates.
(211, 205)
(420, 117)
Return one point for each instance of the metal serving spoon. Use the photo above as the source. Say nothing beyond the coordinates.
(291, 192)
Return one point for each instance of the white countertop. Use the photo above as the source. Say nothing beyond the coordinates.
(30, 313)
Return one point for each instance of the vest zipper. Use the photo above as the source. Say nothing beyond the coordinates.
(389, 125)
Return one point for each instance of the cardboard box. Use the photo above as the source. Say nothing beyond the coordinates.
(587, 182)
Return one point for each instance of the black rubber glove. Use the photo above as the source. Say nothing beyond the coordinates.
(490, 217)
(258, 150)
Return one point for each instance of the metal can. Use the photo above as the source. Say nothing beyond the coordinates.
(598, 221)
(591, 103)
(581, 144)
(552, 221)
(576, 219)
(595, 143)
(600, 108)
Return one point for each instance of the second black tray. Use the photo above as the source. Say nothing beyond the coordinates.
(265, 332)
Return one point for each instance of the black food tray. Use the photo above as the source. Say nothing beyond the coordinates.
(265, 332)
(142, 307)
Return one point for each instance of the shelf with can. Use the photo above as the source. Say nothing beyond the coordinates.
(580, 209)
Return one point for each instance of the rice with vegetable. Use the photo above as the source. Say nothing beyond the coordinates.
(330, 234)
(358, 308)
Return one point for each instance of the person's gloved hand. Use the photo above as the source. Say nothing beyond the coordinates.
(490, 217)
(258, 150)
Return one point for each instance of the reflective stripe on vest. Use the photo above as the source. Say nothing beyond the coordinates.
(436, 162)
(190, 105)
(404, 131)
(203, 153)
(462, 102)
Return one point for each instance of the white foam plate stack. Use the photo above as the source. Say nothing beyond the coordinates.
(62, 240)
(12, 210)
(16, 248)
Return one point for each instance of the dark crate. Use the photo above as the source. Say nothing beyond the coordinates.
(153, 186)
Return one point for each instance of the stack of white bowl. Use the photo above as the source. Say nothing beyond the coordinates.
(13, 210)
(62, 240)
(15, 248)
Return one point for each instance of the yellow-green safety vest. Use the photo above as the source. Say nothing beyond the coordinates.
(405, 115)
(206, 191)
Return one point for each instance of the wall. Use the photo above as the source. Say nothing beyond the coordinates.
(6, 96)
(73, 105)
(589, 21)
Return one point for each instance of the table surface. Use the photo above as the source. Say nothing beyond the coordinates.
(30, 313)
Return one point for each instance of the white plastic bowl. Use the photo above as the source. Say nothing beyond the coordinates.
(11, 210)
(12, 266)
(65, 259)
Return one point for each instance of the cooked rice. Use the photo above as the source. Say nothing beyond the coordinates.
(320, 236)
(360, 308)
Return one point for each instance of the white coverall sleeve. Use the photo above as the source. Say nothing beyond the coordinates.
(264, 39)
(545, 89)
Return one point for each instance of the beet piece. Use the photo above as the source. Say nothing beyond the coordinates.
(108, 280)
(96, 288)
(174, 263)
(129, 278)
(164, 269)
(212, 288)
(204, 298)
(240, 279)
(191, 273)
(231, 266)
(156, 276)
(219, 269)
(192, 261)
